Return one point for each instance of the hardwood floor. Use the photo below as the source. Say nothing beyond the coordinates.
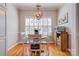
(16, 51)
(23, 50)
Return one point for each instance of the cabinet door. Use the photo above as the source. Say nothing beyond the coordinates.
(64, 37)
(2, 32)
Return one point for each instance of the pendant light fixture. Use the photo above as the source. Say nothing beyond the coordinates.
(38, 13)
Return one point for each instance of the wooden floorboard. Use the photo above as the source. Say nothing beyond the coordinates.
(22, 50)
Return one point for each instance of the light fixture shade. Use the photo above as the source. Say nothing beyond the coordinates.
(38, 13)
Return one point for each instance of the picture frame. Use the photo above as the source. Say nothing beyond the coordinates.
(64, 19)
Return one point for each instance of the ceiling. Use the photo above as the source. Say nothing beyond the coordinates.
(44, 6)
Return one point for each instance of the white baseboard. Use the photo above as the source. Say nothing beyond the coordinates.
(69, 50)
(13, 46)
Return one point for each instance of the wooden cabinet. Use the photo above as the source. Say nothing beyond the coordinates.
(62, 40)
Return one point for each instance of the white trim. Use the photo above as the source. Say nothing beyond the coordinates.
(69, 50)
(13, 46)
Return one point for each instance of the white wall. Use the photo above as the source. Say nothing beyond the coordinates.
(11, 26)
(23, 13)
(2, 31)
(71, 26)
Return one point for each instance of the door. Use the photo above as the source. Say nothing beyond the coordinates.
(77, 27)
(2, 31)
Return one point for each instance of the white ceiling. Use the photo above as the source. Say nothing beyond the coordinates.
(44, 6)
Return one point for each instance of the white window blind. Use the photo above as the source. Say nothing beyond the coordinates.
(44, 25)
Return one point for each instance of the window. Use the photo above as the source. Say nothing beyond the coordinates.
(44, 25)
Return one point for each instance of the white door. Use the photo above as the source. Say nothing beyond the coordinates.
(77, 27)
